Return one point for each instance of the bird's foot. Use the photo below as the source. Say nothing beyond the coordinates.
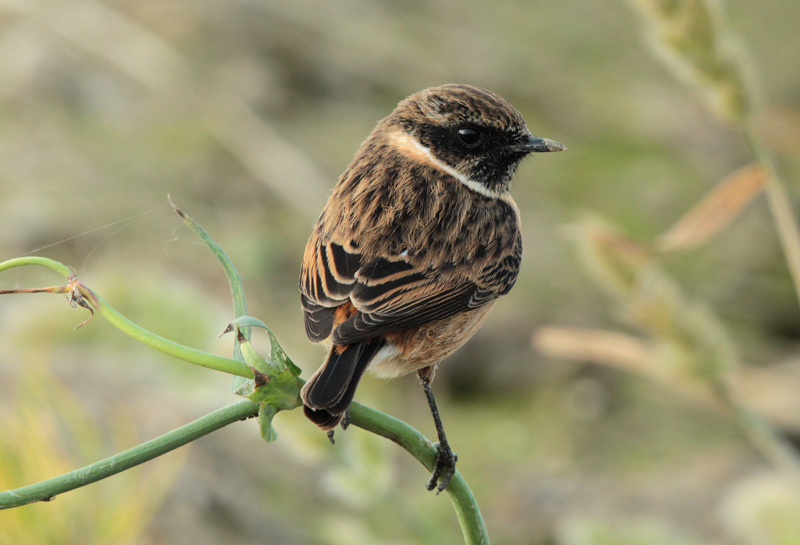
(443, 469)
(345, 423)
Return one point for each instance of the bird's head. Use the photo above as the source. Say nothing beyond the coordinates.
(471, 133)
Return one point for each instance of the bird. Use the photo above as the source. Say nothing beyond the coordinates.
(417, 240)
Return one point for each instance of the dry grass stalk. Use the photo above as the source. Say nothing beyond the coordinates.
(770, 392)
(689, 36)
(692, 38)
(689, 340)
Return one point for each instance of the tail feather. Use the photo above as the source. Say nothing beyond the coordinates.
(328, 393)
(322, 418)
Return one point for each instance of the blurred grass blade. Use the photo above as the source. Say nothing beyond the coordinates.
(770, 391)
(690, 340)
(693, 39)
(693, 349)
(780, 204)
(715, 211)
(613, 259)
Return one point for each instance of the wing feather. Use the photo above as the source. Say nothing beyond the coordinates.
(418, 298)
(395, 292)
(318, 319)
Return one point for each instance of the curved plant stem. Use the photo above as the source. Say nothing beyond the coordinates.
(192, 355)
(234, 282)
(53, 265)
(234, 278)
(464, 503)
(81, 295)
(46, 490)
(467, 510)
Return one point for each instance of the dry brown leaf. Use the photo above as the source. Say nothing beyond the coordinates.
(715, 211)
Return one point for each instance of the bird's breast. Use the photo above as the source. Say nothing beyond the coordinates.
(413, 349)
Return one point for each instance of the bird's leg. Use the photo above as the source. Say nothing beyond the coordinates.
(445, 466)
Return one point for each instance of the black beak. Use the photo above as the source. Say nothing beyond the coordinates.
(537, 145)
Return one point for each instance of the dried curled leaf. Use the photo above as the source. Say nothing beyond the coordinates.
(715, 211)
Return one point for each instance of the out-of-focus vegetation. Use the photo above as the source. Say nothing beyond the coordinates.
(247, 112)
(48, 431)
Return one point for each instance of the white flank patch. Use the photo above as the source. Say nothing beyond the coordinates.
(386, 363)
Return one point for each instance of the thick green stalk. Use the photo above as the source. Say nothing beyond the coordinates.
(464, 503)
(467, 510)
(48, 489)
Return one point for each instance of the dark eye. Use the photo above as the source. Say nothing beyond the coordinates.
(469, 136)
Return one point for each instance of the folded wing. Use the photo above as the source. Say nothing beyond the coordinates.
(392, 293)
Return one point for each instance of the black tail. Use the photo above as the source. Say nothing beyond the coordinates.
(328, 393)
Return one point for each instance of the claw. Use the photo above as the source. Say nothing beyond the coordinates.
(444, 468)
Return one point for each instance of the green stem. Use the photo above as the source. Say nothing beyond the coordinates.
(46, 490)
(761, 435)
(198, 357)
(234, 278)
(464, 503)
(55, 266)
(781, 206)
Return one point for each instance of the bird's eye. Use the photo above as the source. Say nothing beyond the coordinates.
(469, 136)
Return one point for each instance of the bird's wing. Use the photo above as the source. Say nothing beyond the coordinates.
(326, 279)
(393, 293)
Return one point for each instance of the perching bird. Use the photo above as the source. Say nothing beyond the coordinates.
(418, 239)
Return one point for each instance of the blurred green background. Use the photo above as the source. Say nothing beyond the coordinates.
(245, 113)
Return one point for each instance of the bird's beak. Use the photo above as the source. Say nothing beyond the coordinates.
(537, 145)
